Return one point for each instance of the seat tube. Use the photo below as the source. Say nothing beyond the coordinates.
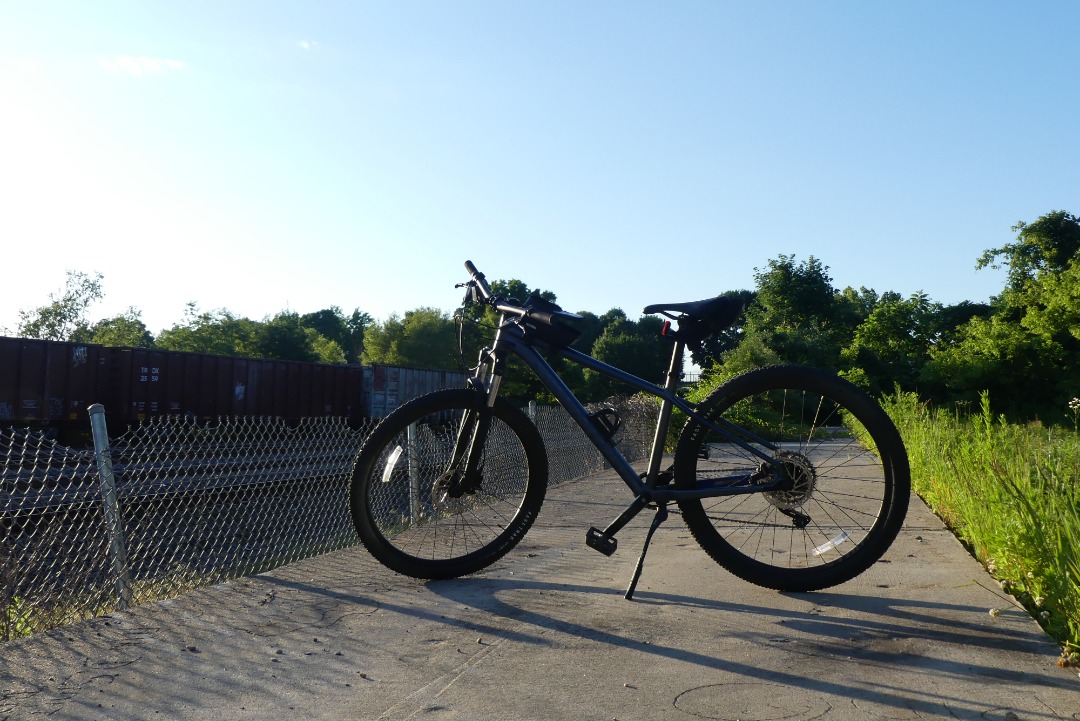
(674, 375)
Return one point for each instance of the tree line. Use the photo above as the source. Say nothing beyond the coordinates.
(1023, 346)
(327, 336)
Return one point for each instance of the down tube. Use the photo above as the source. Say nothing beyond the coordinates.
(577, 411)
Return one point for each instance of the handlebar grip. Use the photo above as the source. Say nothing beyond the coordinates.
(481, 282)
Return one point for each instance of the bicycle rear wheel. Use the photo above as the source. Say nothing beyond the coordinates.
(413, 507)
(844, 475)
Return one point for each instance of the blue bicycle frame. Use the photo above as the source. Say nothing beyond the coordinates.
(511, 339)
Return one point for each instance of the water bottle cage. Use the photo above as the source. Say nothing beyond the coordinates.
(607, 421)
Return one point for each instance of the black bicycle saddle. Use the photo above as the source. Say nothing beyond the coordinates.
(718, 313)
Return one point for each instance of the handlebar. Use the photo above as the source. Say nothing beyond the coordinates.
(538, 319)
(500, 304)
(481, 281)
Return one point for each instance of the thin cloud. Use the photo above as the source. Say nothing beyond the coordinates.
(139, 66)
(307, 44)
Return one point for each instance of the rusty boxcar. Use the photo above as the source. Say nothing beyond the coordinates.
(386, 387)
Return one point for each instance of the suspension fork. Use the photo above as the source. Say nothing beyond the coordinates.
(475, 424)
(458, 479)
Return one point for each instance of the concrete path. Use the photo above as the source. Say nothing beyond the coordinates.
(545, 634)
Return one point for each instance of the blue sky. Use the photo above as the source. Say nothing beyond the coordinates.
(262, 156)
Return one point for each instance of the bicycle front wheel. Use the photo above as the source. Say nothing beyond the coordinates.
(414, 507)
(842, 469)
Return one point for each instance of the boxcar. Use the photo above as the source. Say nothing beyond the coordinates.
(386, 387)
(52, 384)
(143, 383)
(47, 382)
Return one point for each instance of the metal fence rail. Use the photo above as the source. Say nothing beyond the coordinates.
(175, 504)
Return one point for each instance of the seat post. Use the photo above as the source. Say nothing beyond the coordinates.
(674, 375)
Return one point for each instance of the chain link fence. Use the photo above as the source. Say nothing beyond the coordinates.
(175, 504)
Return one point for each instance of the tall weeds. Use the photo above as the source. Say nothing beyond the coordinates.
(1012, 494)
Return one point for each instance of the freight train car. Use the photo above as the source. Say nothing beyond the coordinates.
(141, 383)
(51, 384)
(47, 383)
(386, 387)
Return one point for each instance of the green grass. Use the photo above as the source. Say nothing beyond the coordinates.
(20, 617)
(1011, 493)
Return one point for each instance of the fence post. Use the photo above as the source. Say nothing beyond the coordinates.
(113, 520)
(414, 476)
(532, 412)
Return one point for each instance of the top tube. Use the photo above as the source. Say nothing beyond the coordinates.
(516, 341)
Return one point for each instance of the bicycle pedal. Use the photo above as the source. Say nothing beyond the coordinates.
(595, 538)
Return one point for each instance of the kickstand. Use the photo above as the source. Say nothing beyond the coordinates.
(660, 517)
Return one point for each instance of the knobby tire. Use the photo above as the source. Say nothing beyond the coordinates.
(410, 524)
(845, 478)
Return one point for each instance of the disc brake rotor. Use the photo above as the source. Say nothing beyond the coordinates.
(799, 480)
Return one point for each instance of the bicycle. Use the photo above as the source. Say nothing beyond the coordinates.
(789, 477)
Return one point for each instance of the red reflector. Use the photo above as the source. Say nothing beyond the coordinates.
(666, 328)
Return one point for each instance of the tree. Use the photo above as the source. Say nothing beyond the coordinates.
(425, 337)
(282, 337)
(794, 295)
(357, 323)
(285, 337)
(952, 317)
(346, 332)
(795, 318)
(325, 350)
(219, 332)
(852, 308)
(518, 290)
(1027, 352)
(126, 330)
(1044, 247)
(635, 347)
(857, 305)
(66, 312)
(893, 344)
(1022, 371)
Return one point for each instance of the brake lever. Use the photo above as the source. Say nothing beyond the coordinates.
(472, 294)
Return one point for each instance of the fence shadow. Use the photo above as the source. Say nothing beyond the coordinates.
(191, 504)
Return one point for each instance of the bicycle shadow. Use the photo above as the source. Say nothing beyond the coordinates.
(885, 634)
